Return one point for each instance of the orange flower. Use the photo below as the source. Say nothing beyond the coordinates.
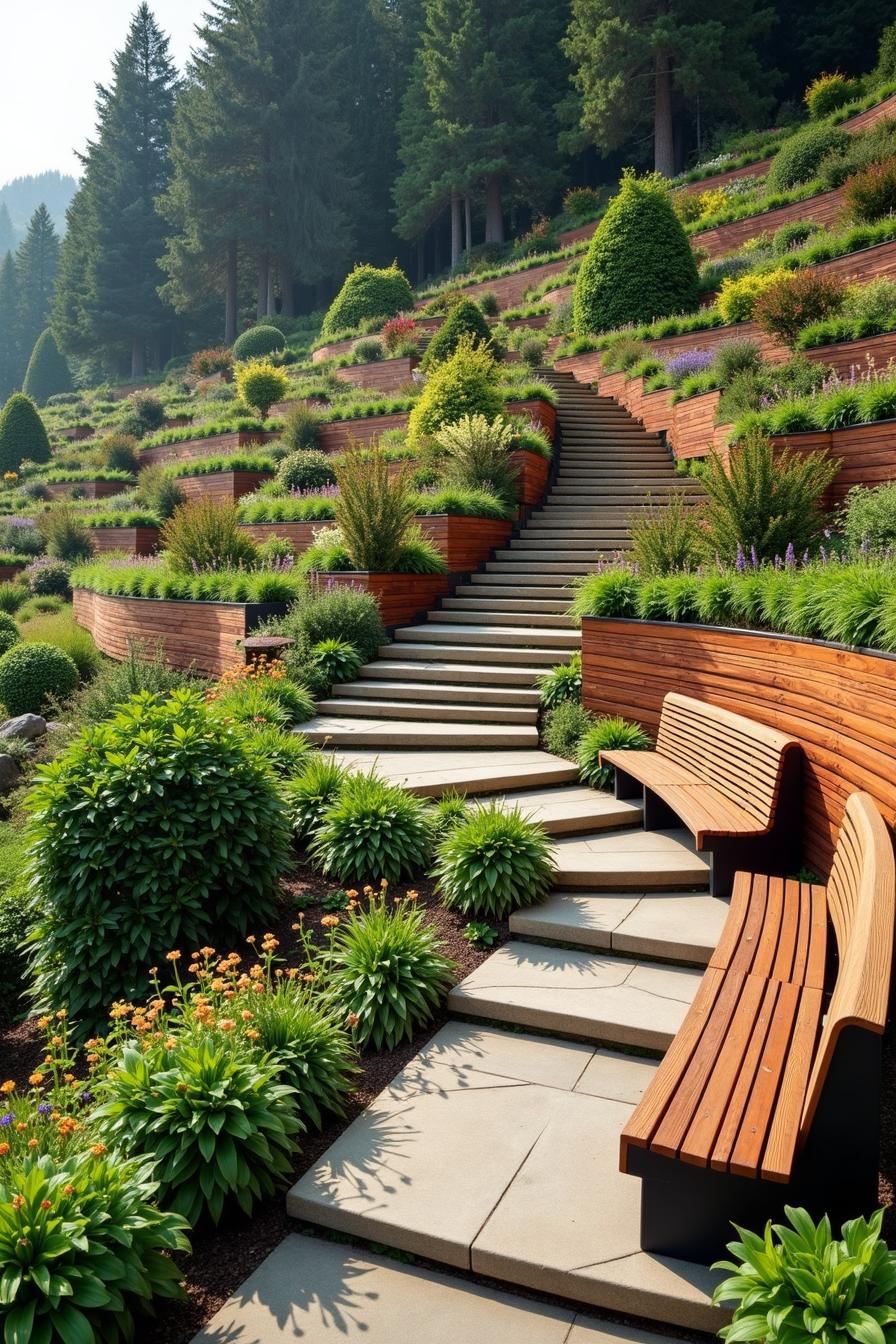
(227, 1024)
(8, 1086)
(98, 1149)
(330, 921)
(45, 1204)
(32, 1143)
(172, 956)
(4, 1149)
(35, 1079)
(68, 1189)
(18, 1201)
(246, 1015)
(352, 1020)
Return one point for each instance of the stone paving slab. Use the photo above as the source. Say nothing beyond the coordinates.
(319, 1292)
(670, 925)
(630, 859)
(338, 729)
(430, 773)
(572, 809)
(579, 994)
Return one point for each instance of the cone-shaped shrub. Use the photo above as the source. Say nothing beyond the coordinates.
(640, 265)
(47, 372)
(22, 434)
(465, 319)
(466, 384)
(494, 863)
(369, 292)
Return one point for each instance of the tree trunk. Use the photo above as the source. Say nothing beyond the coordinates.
(287, 290)
(421, 258)
(455, 228)
(663, 137)
(230, 294)
(494, 215)
(468, 221)
(261, 301)
(138, 357)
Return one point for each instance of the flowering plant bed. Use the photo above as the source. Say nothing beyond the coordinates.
(401, 597)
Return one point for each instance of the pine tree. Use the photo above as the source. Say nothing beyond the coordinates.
(7, 232)
(10, 343)
(37, 261)
(48, 371)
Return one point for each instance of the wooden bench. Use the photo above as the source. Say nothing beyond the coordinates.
(770, 1093)
(732, 782)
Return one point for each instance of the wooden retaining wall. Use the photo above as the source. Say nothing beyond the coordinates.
(401, 597)
(85, 489)
(222, 486)
(383, 375)
(219, 445)
(131, 540)
(823, 209)
(466, 543)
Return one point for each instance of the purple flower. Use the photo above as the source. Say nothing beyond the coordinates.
(822, 551)
(790, 556)
(6, 1119)
(44, 1108)
(740, 563)
(754, 557)
(86, 1097)
(689, 362)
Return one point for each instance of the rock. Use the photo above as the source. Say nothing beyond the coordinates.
(27, 726)
(9, 774)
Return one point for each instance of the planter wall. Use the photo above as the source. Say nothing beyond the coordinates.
(557, 297)
(840, 703)
(823, 209)
(10, 572)
(75, 433)
(512, 288)
(87, 489)
(401, 597)
(384, 375)
(466, 543)
(222, 486)
(200, 635)
(131, 540)
(689, 426)
(532, 471)
(539, 412)
(218, 445)
(757, 169)
(335, 435)
(867, 454)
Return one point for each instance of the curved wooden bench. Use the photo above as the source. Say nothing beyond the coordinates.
(766, 1096)
(732, 782)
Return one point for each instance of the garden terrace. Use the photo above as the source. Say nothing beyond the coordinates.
(824, 209)
(224, 485)
(383, 375)
(510, 287)
(464, 541)
(86, 487)
(228, 441)
(142, 539)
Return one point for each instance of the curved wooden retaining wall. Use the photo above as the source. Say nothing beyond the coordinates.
(839, 702)
(465, 543)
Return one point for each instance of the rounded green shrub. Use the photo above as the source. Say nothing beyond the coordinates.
(260, 383)
(466, 384)
(284, 751)
(368, 292)
(343, 613)
(144, 414)
(798, 159)
(609, 734)
(337, 659)
(119, 453)
(564, 728)
(258, 342)
(388, 972)
(183, 841)
(9, 632)
(563, 682)
(23, 437)
(465, 319)
(48, 372)
(306, 470)
(310, 1048)
(313, 789)
(33, 675)
(48, 577)
(372, 830)
(494, 863)
(828, 92)
(639, 265)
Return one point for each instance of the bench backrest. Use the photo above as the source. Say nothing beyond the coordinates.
(737, 756)
(861, 895)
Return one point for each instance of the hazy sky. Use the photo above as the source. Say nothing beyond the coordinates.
(53, 53)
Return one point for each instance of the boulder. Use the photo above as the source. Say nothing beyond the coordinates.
(27, 726)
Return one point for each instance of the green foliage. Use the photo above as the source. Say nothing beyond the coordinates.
(783, 309)
(374, 512)
(794, 235)
(869, 518)
(22, 434)
(158, 491)
(450, 810)
(607, 734)
(735, 356)
(562, 683)
(300, 429)
(13, 921)
(142, 669)
(284, 751)
(871, 194)
(9, 632)
(203, 534)
(337, 659)
(48, 372)
(639, 264)
(610, 592)
(161, 581)
(145, 413)
(33, 677)
(186, 836)
(464, 319)
(260, 383)
(62, 631)
(464, 385)
(368, 292)
(83, 1248)
(305, 470)
(564, 728)
(667, 537)
(738, 296)
(478, 456)
(64, 534)
(342, 613)
(313, 789)
(494, 863)
(119, 453)
(828, 92)
(372, 830)
(220, 1127)
(368, 350)
(310, 1049)
(801, 1283)
(388, 971)
(258, 342)
(668, 597)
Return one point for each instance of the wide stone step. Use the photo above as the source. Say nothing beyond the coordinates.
(516, 636)
(667, 925)
(503, 564)
(447, 690)
(573, 810)
(483, 654)
(481, 614)
(635, 860)
(528, 542)
(429, 774)
(464, 710)
(480, 599)
(339, 730)
(498, 1152)
(440, 664)
(491, 579)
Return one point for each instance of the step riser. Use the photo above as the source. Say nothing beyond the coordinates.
(493, 654)
(527, 619)
(417, 692)
(427, 711)
(526, 637)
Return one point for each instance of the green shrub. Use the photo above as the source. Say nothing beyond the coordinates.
(14, 921)
(84, 1250)
(610, 592)
(313, 789)
(258, 342)
(33, 677)
(489, 303)
(465, 319)
(737, 296)
(185, 838)
(300, 429)
(62, 631)
(264, 699)
(48, 372)
(220, 1127)
(9, 632)
(260, 383)
(581, 202)
(204, 534)
(869, 196)
(794, 235)
(283, 750)
(119, 453)
(868, 520)
(564, 728)
(310, 1049)
(494, 863)
(479, 456)
(158, 491)
(562, 683)
(828, 92)
(735, 356)
(374, 512)
(343, 613)
(64, 534)
(668, 597)
(337, 659)
(372, 830)
(885, 70)
(144, 414)
(388, 972)
(805, 296)
(466, 384)
(12, 597)
(23, 437)
(142, 669)
(306, 470)
(450, 810)
(368, 350)
(608, 734)
(639, 265)
(666, 537)
(368, 292)
(805, 1284)
(798, 158)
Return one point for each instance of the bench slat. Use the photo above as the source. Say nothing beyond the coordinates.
(740, 1096)
(780, 1148)
(746, 1156)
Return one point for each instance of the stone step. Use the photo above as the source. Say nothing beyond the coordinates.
(483, 654)
(542, 545)
(439, 666)
(503, 564)
(516, 636)
(573, 810)
(665, 925)
(429, 774)
(492, 578)
(482, 614)
(464, 710)
(337, 730)
(577, 562)
(634, 860)
(447, 690)
(480, 598)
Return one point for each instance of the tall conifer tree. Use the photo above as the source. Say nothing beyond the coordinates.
(37, 261)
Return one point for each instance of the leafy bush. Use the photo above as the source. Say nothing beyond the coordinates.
(801, 1284)
(260, 383)
(220, 1127)
(13, 921)
(9, 632)
(258, 342)
(309, 1047)
(84, 1250)
(667, 537)
(368, 292)
(869, 518)
(22, 434)
(389, 973)
(337, 659)
(562, 683)
(398, 333)
(478, 456)
(798, 159)
(300, 429)
(869, 196)
(314, 789)
(62, 631)
(450, 810)
(639, 264)
(735, 356)
(805, 296)
(204, 534)
(342, 613)
(218, 360)
(737, 297)
(466, 384)
(564, 728)
(494, 862)
(465, 320)
(48, 372)
(372, 830)
(64, 534)
(170, 850)
(158, 491)
(374, 511)
(489, 303)
(35, 676)
(12, 597)
(581, 202)
(306, 470)
(118, 452)
(262, 691)
(610, 592)
(144, 414)
(885, 70)
(142, 669)
(828, 92)
(794, 235)
(608, 734)
(368, 350)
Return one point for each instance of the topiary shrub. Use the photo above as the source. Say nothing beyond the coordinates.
(372, 830)
(32, 676)
(828, 92)
(798, 159)
(639, 265)
(306, 470)
(184, 841)
(23, 437)
(259, 384)
(609, 734)
(258, 342)
(465, 319)
(465, 384)
(494, 863)
(368, 292)
(871, 194)
(48, 373)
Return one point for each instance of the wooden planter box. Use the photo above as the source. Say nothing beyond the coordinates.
(10, 572)
(401, 597)
(383, 375)
(867, 454)
(336, 435)
(222, 486)
(466, 543)
(689, 426)
(88, 489)
(75, 433)
(218, 445)
(541, 413)
(537, 323)
(132, 540)
(200, 635)
(585, 368)
(823, 209)
(532, 476)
